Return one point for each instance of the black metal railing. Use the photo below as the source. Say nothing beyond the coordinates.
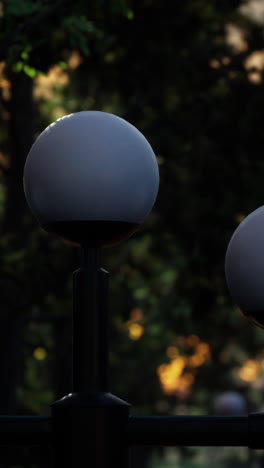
(90, 421)
(157, 431)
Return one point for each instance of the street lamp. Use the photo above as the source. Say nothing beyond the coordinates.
(91, 178)
(244, 266)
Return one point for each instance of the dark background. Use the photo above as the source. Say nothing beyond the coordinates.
(189, 76)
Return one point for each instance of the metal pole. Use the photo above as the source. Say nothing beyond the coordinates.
(90, 324)
(90, 424)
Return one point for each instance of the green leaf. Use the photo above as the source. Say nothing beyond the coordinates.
(25, 55)
(78, 28)
(15, 257)
(63, 65)
(22, 8)
(129, 14)
(84, 47)
(30, 71)
(141, 293)
(168, 277)
(18, 66)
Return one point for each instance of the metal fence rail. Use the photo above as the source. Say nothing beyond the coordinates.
(189, 431)
(25, 431)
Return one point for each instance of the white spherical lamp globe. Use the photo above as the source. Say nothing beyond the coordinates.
(91, 177)
(244, 266)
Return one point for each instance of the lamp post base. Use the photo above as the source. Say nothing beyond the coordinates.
(90, 426)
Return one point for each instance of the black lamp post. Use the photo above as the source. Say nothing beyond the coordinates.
(92, 178)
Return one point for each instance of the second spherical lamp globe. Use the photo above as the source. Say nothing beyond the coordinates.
(92, 178)
(244, 266)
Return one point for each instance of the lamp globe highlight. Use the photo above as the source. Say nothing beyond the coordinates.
(244, 266)
(91, 178)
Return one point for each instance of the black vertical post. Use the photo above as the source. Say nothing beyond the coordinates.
(90, 324)
(90, 424)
